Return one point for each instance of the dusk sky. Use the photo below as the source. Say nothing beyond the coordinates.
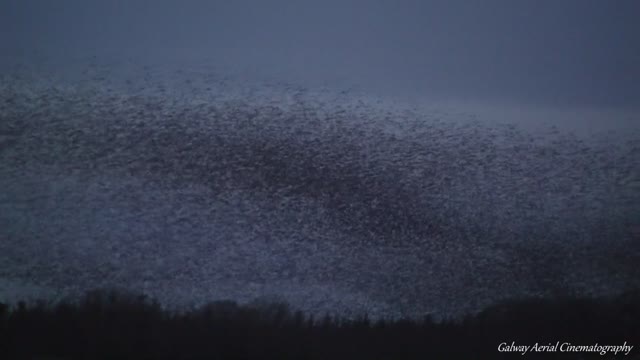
(567, 52)
(392, 157)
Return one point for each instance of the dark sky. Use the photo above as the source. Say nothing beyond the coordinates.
(560, 52)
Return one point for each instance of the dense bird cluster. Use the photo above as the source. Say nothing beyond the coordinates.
(193, 186)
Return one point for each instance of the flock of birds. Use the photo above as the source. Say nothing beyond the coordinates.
(191, 187)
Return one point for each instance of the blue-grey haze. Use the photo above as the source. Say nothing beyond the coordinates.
(398, 157)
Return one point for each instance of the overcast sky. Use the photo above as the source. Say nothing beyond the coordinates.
(579, 52)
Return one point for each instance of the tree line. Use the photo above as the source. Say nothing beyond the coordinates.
(110, 324)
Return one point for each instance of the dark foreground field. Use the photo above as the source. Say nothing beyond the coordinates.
(118, 325)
